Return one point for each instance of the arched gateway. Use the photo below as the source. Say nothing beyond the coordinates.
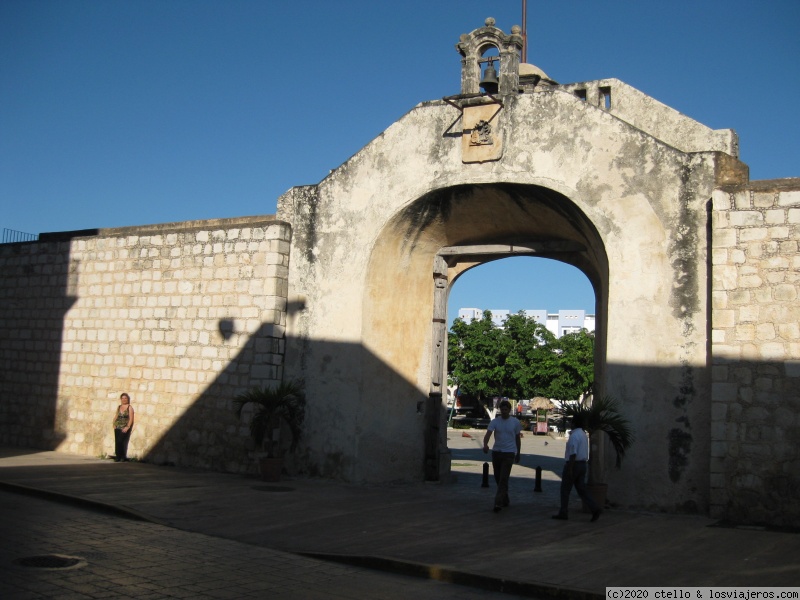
(597, 175)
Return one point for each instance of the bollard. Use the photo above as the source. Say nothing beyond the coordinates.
(538, 486)
(485, 475)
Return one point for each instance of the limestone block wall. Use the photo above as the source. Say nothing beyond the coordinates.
(180, 316)
(755, 428)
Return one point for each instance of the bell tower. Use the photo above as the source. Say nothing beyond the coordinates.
(489, 62)
(477, 52)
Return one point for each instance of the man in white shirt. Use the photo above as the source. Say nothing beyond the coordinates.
(505, 452)
(577, 456)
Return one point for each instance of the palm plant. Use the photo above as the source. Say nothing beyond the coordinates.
(602, 414)
(274, 405)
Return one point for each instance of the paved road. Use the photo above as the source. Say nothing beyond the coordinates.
(123, 558)
(449, 533)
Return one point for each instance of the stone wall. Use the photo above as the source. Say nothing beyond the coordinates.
(755, 456)
(180, 316)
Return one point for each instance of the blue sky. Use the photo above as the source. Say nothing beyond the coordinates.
(122, 112)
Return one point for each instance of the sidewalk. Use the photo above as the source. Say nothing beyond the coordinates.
(52, 550)
(447, 532)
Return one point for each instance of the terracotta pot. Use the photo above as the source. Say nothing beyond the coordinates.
(598, 492)
(270, 468)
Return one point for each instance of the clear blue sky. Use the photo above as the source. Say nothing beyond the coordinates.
(123, 112)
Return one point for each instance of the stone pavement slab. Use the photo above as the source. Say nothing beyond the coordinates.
(446, 531)
(122, 558)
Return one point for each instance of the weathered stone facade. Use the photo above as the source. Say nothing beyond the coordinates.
(755, 346)
(181, 316)
(695, 271)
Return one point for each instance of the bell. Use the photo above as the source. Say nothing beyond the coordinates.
(489, 81)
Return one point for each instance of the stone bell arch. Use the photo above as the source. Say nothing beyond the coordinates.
(472, 47)
(594, 173)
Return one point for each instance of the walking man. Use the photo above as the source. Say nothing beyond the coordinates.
(576, 455)
(505, 452)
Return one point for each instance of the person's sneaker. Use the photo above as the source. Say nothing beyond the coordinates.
(497, 508)
(561, 517)
(595, 515)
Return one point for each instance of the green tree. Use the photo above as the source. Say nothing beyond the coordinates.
(474, 356)
(521, 359)
(527, 344)
(571, 371)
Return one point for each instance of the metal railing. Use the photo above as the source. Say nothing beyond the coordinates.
(11, 236)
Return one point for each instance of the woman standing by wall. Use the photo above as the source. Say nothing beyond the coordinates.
(123, 425)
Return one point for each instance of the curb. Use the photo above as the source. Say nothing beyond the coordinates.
(94, 505)
(465, 578)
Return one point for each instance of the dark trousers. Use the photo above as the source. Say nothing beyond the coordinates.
(574, 476)
(502, 463)
(121, 444)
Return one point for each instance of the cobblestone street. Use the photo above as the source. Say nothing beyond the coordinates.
(123, 558)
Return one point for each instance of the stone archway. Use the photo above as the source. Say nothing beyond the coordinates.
(619, 190)
(449, 265)
(454, 229)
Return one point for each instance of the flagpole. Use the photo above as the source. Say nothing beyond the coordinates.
(524, 31)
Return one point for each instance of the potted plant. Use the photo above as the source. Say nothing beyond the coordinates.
(275, 409)
(601, 415)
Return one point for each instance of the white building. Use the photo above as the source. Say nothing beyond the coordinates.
(564, 321)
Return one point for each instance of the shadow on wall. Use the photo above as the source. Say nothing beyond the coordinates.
(36, 282)
(355, 436)
(346, 437)
(756, 446)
